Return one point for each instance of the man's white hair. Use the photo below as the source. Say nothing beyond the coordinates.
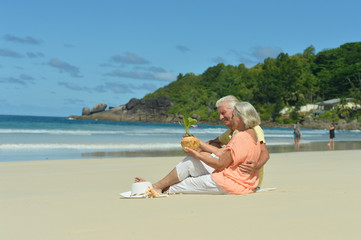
(230, 100)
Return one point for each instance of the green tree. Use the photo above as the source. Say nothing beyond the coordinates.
(343, 110)
(277, 82)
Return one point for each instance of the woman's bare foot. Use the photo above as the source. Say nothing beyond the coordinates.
(138, 179)
(155, 188)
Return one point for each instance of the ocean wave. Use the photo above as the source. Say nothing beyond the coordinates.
(53, 131)
(126, 132)
(279, 143)
(76, 132)
(123, 147)
(279, 135)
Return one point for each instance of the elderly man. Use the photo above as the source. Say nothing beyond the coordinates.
(225, 108)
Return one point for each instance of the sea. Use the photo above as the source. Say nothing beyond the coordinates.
(29, 138)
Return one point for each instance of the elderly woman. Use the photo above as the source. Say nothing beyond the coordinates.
(215, 171)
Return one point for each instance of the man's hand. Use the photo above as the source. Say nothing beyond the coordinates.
(248, 167)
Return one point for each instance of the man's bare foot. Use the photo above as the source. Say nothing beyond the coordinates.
(138, 179)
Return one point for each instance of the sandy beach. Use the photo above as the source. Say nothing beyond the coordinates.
(317, 197)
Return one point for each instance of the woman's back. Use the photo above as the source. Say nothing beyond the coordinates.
(243, 147)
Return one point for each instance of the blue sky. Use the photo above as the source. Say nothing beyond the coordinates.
(57, 57)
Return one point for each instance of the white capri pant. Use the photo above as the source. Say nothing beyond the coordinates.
(195, 177)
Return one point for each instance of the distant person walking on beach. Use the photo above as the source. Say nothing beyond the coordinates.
(331, 144)
(297, 136)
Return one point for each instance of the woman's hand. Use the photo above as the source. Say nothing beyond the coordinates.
(191, 152)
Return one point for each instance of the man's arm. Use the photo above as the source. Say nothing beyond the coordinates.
(222, 139)
(215, 142)
(205, 147)
(217, 163)
(249, 167)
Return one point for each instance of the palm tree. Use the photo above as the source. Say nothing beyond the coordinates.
(343, 110)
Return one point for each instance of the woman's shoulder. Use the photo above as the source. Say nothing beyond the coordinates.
(246, 135)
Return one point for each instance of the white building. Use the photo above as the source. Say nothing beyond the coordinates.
(321, 107)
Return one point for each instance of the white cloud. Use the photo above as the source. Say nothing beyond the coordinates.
(129, 58)
(73, 86)
(218, 60)
(23, 79)
(27, 40)
(165, 76)
(182, 48)
(262, 53)
(64, 67)
(34, 55)
(147, 86)
(256, 55)
(118, 87)
(9, 53)
(73, 101)
(160, 76)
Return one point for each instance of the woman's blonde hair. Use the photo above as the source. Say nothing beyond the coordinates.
(248, 113)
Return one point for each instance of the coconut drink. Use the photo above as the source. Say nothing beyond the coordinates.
(189, 140)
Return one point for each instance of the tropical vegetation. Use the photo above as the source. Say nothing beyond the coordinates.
(270, 86)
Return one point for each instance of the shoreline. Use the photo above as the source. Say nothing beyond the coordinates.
(304, 147)
(79, 199)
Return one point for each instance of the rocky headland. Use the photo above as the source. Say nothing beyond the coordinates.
(156, 110)
(136, 110)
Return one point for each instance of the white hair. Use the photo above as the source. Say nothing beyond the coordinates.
(248, 113)
(230, 100)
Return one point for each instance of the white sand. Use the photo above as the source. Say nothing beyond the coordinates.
(318, 197)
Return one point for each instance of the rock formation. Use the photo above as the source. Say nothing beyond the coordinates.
(85, 111)
(136, 110)
(99, 107)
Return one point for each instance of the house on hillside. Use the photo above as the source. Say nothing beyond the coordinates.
(303, 109)
(332, 103)
(328, 104)
(321, 107)
(308, 108)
